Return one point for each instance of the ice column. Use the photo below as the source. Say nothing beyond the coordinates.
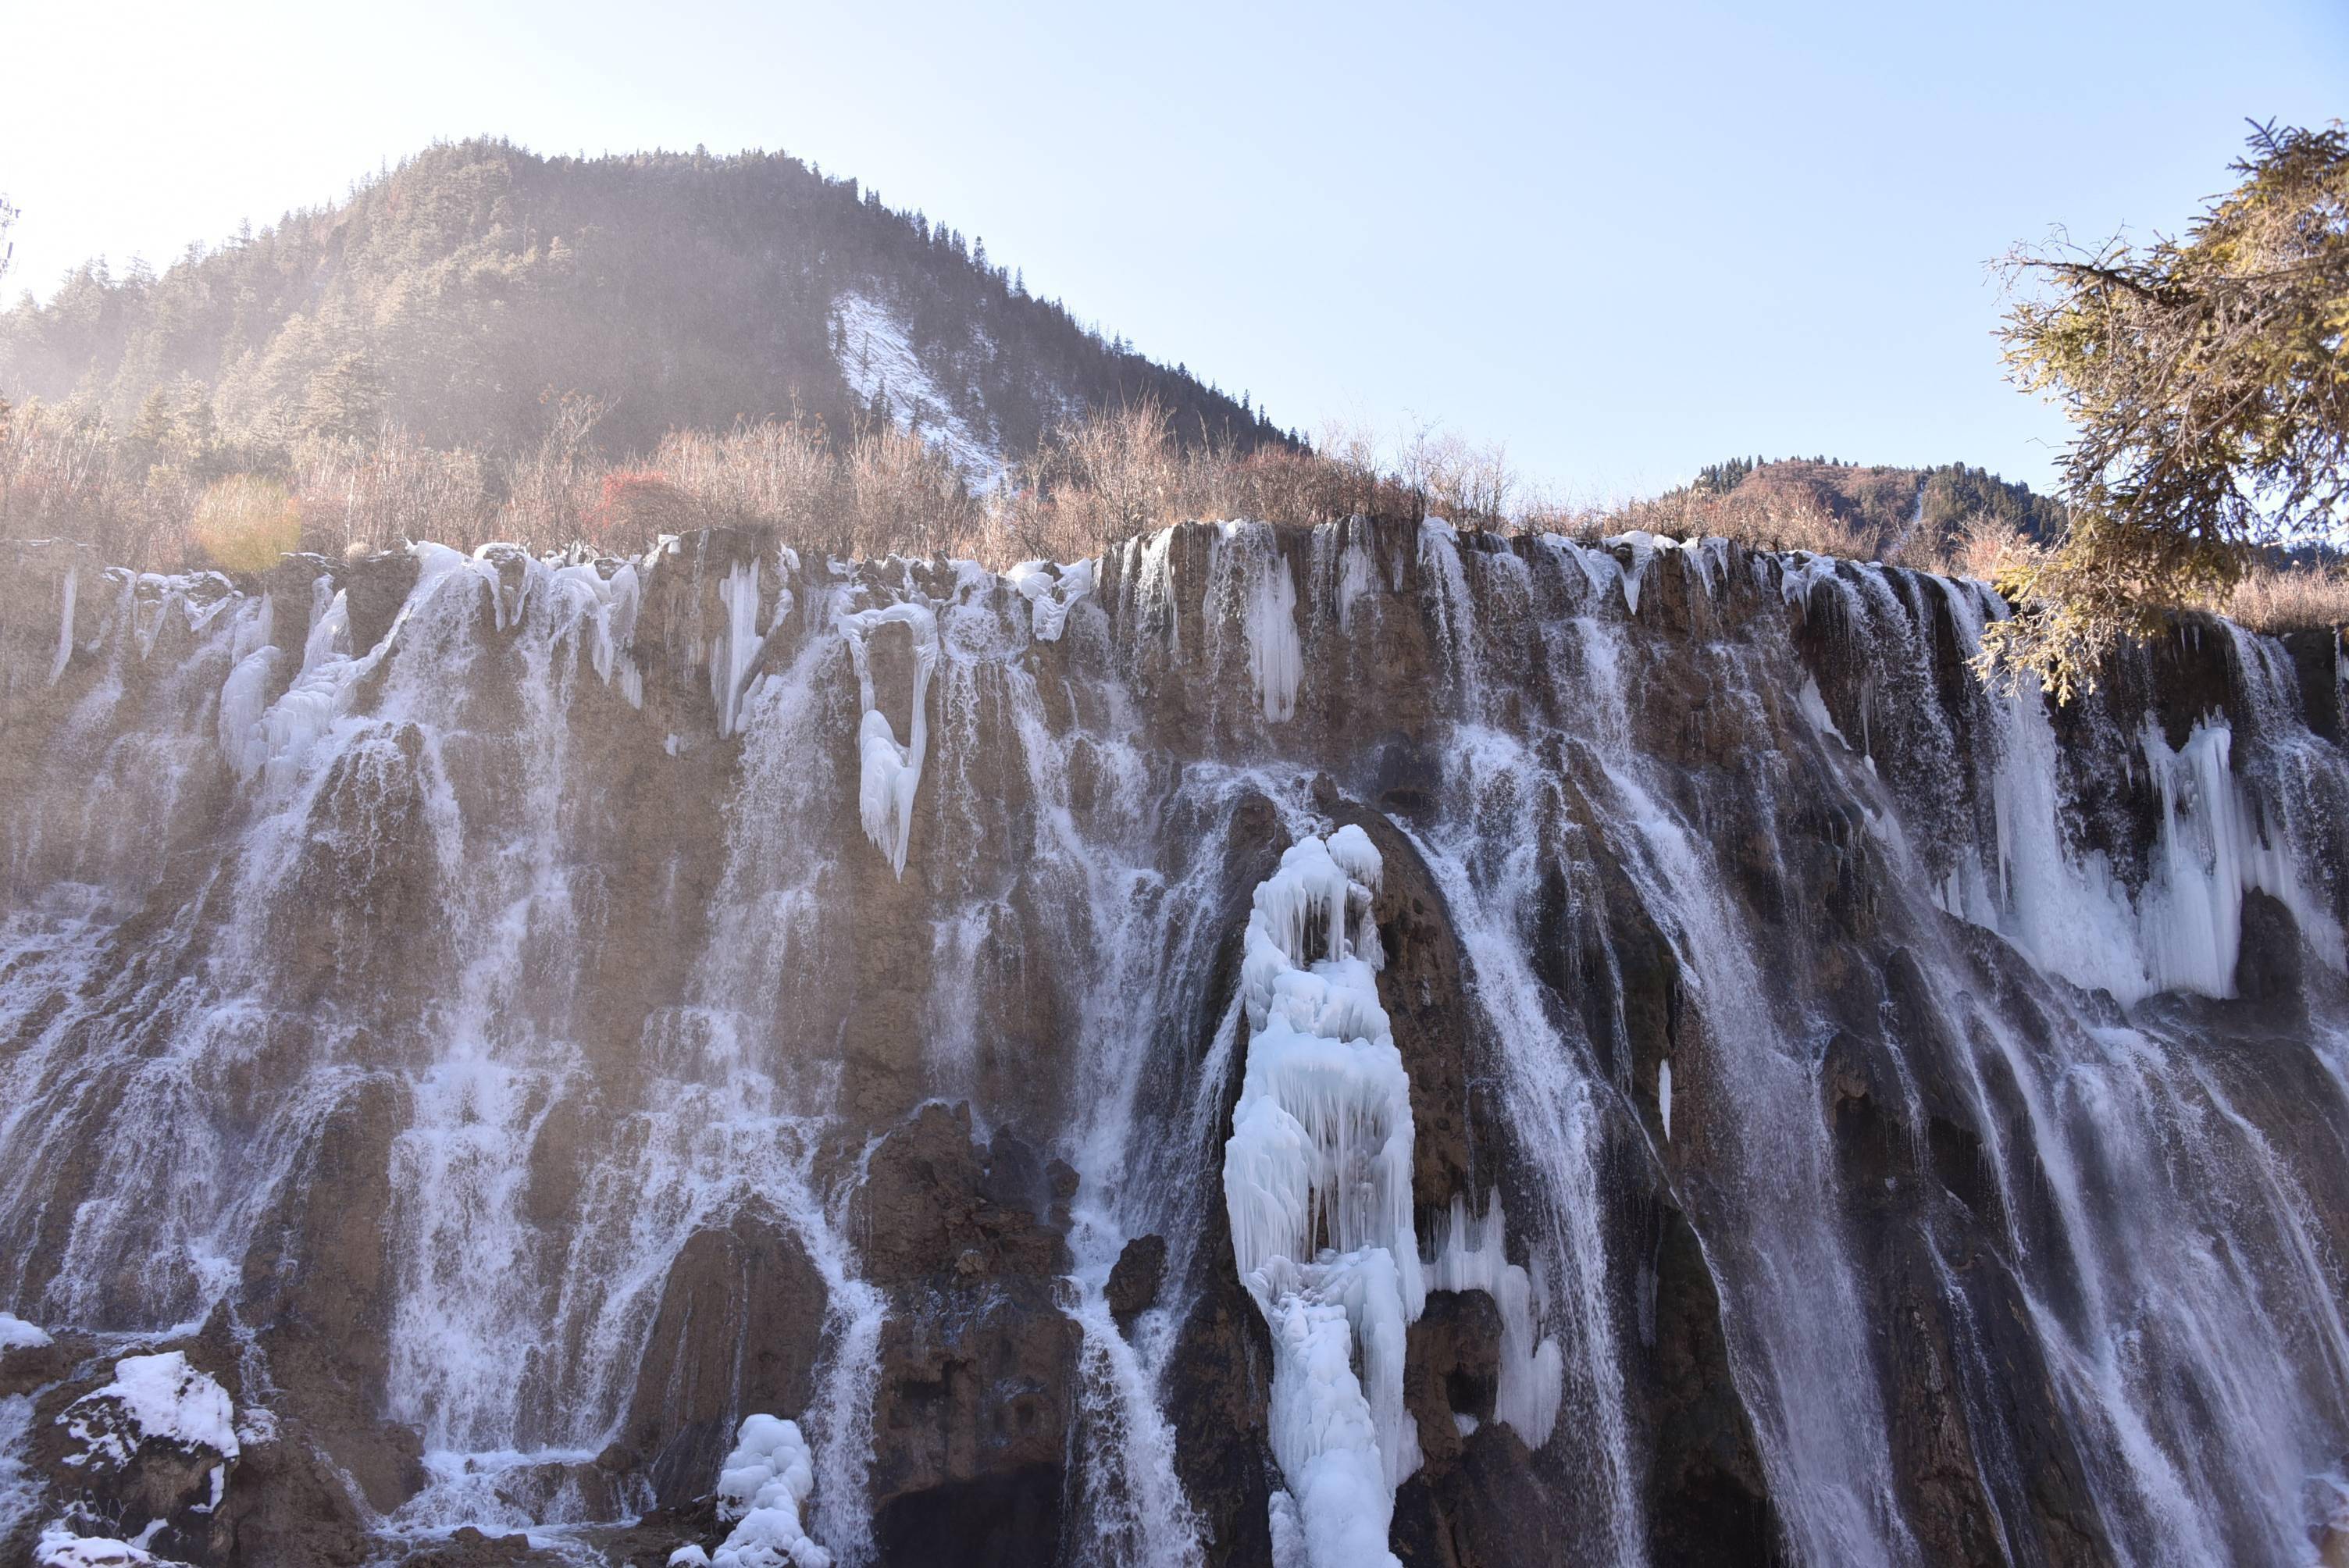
(1317, 1180)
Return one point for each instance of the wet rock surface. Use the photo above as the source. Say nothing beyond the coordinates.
(1134, 1283)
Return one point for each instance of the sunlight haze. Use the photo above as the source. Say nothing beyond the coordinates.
(1626, 241)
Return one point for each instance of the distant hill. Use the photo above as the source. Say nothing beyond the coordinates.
(1849, 509)
(460, 295)
(1892, 502)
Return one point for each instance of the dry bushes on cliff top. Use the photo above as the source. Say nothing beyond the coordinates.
(142, 499)
(870, 492)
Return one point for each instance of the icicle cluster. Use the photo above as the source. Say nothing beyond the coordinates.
(1470, 1255)
(1248, 579)
(271, 740)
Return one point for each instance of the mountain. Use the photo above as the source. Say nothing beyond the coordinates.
(459, 293)
(1331, 1046)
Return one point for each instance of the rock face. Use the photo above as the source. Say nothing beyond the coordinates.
(1139, 1275)
(467, 1014)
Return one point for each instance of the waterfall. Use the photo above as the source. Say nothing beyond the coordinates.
(1442, 1036)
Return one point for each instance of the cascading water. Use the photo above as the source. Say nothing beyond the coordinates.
(1485, 1049)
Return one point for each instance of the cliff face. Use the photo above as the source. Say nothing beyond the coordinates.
(471, 1011)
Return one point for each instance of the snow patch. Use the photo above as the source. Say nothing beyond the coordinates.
(61, 1548)
(878, 361)
(16, 1333)
(159, 1398)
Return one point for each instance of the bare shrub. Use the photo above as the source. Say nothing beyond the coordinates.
(634, 507)
(245, 523)
(776, 472)
(548, 487)
(356, 499)
(1768, 518)
(2291, 599)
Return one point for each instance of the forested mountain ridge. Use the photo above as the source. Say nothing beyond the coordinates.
(1890, 499)
(458, 294)
(1856, 508)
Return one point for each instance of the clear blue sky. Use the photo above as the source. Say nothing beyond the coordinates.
(1625, 239)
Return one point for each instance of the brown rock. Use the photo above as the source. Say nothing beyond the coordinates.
(1452, 1367)
(1134, 1280)
(738, 1329)
(926, 1204)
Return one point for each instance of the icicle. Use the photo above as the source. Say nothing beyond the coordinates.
(65, 625)
(1643, 546)
(730, 655)
(891, 772)
(243, 700)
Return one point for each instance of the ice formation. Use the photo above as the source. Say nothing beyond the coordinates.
(1051, 594)
(1251, 589)
(760, 1491)
(732, 651)
(606, 608)
(160, 1397)
(1320, 1151)
(1276, 661)
(2210, 853)
(1317, 1180)
(65, 626)
(1146, 577)
(1357, 575)
(891, 773)
(2070, 912)
(1469, 1255)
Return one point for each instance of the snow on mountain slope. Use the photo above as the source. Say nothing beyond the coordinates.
(878, 361)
